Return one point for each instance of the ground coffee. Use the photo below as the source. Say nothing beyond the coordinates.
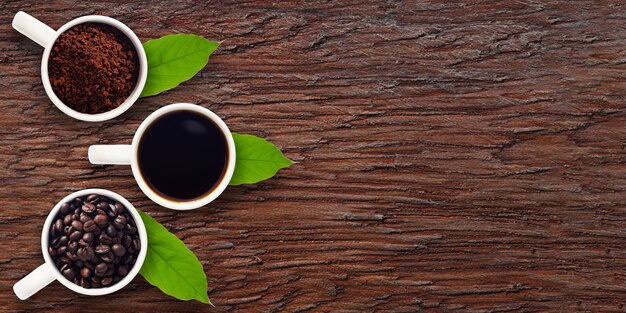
(94, 241)
(93, 67)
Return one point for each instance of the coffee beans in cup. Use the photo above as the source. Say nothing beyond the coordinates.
(93, 67)
(94, 241)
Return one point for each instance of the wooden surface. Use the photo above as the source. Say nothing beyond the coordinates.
(452, 156)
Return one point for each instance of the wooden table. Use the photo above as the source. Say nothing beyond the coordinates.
(465, 156)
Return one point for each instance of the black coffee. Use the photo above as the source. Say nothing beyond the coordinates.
(183, 155)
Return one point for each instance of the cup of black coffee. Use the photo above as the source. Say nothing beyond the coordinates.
(93, 242)
(182, 156)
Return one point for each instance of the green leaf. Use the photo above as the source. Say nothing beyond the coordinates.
(170, 266)
(257, 159)
(173, 59)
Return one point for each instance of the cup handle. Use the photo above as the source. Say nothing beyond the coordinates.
(110, 154)
(33, 28)
(33, 282)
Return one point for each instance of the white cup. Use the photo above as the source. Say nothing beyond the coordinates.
(128, 155)
(48, 272)
(46, 36)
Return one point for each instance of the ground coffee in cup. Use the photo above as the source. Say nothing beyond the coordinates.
(94, 241)
(93, 67)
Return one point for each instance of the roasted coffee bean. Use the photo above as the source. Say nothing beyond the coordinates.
(101, 220)
(83, 243)
(77, 225)
(84, 283)
(65, 208)
(119, 208)
(88, 237)
(87, 254)
(62, 250)
(106, 281)
(71, 256)
(75, 235)
(72, 246)
(89, 226)
(91, 254)
(63, 240)
(116, 278)
(93, 197)
(52, 251)
(102, 206)
(130, 229)
(127, 241)
(65, 260)
(101, 249)
(113, 209)
(58, 226)
(67, 220)
(55, 243)
(109, 271)
(82, 255)
(111, 214)
(107, 257)
(69, 273)
(111, 230)
(64, 267)
(85, 272)
(96, 279)
(88, 208)
(84, 218)
(119, 222)
(101, 268)
(105, 239)
(118, 249)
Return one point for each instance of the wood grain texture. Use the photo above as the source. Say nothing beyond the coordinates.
(452, 156)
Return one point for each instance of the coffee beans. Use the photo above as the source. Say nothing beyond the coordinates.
(89, 226)
(88, 208)
(118, 249)
(102, 220)
(94, 241)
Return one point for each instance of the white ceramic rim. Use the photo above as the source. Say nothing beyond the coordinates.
(217, 190)
(141, 81)
(141, 228)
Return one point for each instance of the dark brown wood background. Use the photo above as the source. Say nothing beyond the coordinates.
(452, 156)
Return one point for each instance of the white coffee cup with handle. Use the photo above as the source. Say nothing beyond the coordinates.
(48, 272)
(129, 155)
(46, 37)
